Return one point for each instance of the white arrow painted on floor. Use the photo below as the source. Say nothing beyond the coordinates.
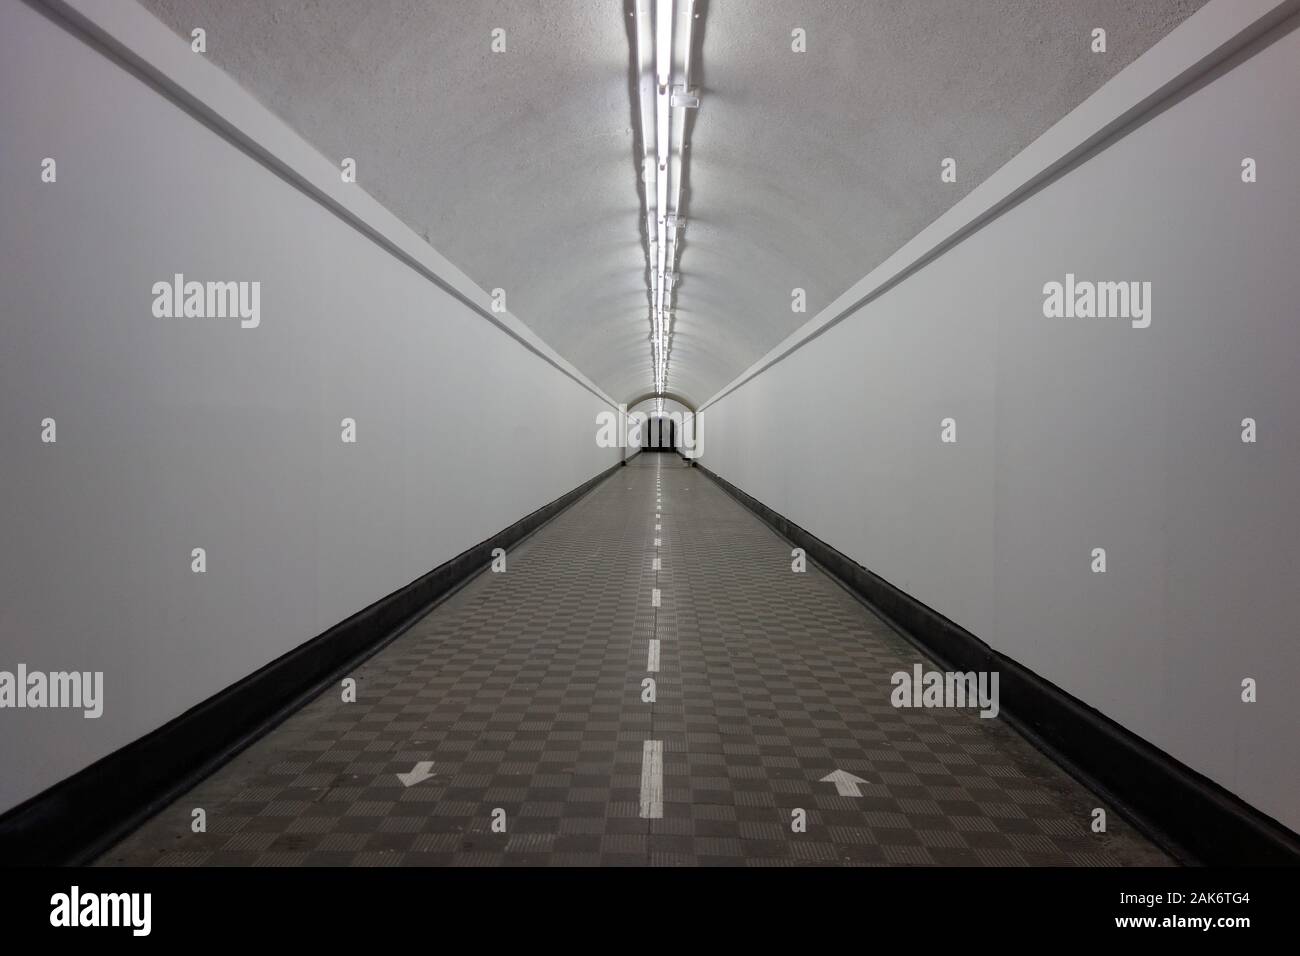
(846, 785)
(421, 772)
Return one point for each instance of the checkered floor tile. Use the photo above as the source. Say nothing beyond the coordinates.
(525, 691)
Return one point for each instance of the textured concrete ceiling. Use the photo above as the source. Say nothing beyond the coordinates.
(805, 169)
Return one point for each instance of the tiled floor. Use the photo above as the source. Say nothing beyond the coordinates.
(525, 689)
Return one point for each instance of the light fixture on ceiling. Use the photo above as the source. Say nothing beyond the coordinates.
(663, 50)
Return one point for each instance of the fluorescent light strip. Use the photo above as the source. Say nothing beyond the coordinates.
(668, 39)
(664, 40)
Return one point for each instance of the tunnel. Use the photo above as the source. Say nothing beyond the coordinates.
(694, 435)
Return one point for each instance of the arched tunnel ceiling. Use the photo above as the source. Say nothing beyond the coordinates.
(805, 169)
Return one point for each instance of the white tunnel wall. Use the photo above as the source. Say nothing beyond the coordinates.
(175, 434)
(1074, 434)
